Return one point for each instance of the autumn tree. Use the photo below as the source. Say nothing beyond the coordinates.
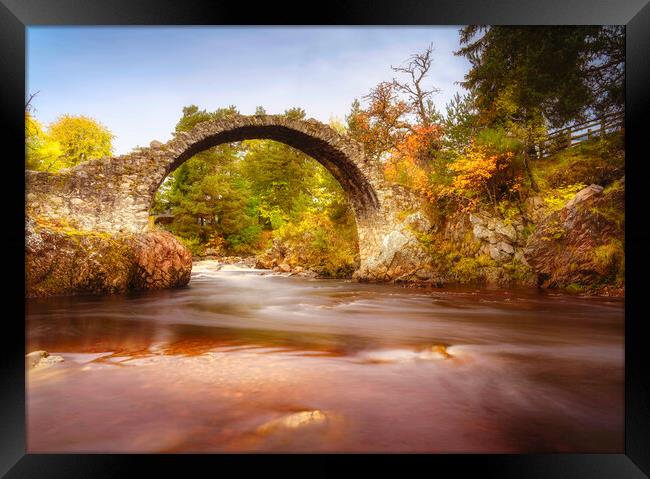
(66, 142)
(42, 153)
(81, 138)
(383, 124)
(487, 171)
(399, 114)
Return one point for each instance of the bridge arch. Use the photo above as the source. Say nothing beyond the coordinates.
(341, 156)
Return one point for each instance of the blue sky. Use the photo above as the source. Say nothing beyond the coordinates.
(136, 80)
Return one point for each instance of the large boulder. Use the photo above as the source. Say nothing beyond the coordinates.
(160, 261)
(402, 256)
(581, 244)
(64, 261)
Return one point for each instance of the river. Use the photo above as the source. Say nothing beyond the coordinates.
(246, 360)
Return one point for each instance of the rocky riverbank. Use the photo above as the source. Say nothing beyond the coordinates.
(60, 260)
(581, 246)
(578, 247)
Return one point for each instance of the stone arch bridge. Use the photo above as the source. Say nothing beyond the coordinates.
(115, 194)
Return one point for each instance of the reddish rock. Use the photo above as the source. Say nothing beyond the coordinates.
(60, 261)
(582, 244)
(161, 261)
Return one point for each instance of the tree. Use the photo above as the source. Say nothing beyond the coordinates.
(460, 122)
(538, 75)
(417, 67)
(397, 110)
(80, 138)
(383, 124)
(42, 153)
(278, 176)
(206, 193)
(295, 113)
(527, 79)
(485, 171)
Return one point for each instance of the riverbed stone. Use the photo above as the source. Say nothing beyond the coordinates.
(39, 359)
(284, 267)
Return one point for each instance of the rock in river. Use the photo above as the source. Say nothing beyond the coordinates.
(64, 261)
(37, 359)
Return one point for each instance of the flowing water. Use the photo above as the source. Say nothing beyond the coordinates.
(244, 360)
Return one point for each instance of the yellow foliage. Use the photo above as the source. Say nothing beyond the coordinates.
(556, 198)
(68, 141)
(81, 138)
(41, 151)
(480, 172)
(318, 244)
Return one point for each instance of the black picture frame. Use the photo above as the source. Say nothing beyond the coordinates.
(15, 15)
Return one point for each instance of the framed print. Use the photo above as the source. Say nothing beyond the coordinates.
(388, 237)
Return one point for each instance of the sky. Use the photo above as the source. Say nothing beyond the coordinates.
(136, 80)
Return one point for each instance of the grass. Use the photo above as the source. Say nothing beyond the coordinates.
(599, 161)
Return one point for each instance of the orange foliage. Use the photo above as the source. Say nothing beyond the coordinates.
(481, 172)
(382, 125)
(410, 158)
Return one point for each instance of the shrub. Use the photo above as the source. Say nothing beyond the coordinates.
(555, 199)
(193, 244)
(319, 244)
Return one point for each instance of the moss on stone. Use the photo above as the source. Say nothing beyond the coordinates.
(576, 288)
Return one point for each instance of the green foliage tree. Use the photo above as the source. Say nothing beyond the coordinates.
(278, 175)
(526, 79)
(206, 194)
(460, 123)
(532, 75)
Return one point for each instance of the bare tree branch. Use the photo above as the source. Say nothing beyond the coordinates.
(417, 67)
(28, 106)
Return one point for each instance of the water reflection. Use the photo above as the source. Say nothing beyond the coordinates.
(246, 361)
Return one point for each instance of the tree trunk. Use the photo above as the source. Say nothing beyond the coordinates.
(529, 174)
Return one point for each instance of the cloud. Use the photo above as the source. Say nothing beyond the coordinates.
(136, 80)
